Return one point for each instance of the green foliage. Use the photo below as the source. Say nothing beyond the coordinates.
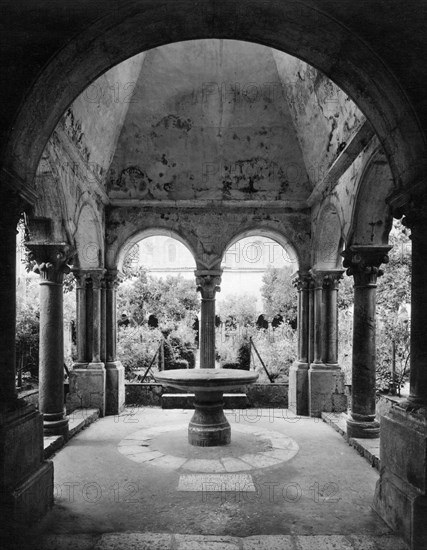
(240, 307)
(170, 300)
(27, 339)
(136, 347)
(244, 354)
(280, 296)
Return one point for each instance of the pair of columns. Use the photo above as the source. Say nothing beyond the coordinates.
(97, 378)
(315, 380)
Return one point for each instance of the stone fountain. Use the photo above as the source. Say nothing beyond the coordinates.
(208, 427)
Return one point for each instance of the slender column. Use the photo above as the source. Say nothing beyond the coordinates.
(208, 285)
(51, 264)
(302, 283)
(11, 211)
(330, 294)
(311, 321)
(96, 278)
(103, 320)
(81, 321)
(416, 220)
(298, 373)
(112, 281)
(363, 264)
(318, 320)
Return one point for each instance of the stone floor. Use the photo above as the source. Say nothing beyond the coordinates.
(133, 482)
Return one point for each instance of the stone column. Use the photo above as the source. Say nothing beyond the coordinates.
(310, 321)
(26, 479)
(317, 318)
(330, 292)
(325, 378)
(363, 264)
(88, 377)
(115, 372)
(208, 285)
(401, 492)
(298, 373)
(51, 264)
(81, 291)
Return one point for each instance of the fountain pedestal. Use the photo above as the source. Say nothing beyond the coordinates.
(208, 426)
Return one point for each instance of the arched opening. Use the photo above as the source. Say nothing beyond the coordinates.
(258, 305)
(156, 306)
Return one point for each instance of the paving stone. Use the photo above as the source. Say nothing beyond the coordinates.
(323, 542)
(201, 542)
(216, 483)
(134, 541)
(144, 457)
(204, 465)
(260, 461)
(169, 462)
(67, 542)
(269, 542)
(235, 465)
(134, 449)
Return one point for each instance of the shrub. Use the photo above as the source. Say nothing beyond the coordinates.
(136, 347)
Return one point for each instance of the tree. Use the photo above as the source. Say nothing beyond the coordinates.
(240, 307)
(280, 296)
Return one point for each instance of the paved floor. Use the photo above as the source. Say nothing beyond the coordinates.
(284, 482)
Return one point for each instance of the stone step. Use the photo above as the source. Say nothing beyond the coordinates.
(185, 401)
(151, 541)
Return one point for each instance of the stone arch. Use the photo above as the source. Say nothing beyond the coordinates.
(88, 239)
(116, 257)
(371, 218)
(328, 241)
(298, 29)
(291, 252)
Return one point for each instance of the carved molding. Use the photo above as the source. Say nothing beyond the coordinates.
(208, 283)
(302, 280)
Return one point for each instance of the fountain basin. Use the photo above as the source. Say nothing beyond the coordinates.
(208, 427)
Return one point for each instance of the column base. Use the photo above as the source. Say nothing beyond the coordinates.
(298, 389)
(325, 389)
(209, 426)
(364, 430)
(401, 492)
(87, 388)
(55, 424)
(26, 480)
(115, 385)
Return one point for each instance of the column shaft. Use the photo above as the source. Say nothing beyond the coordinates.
(81, 317)
(311, 322)
(96, 318)
(51, 264)
(318, 321)
(208, 284)
(363, 263)
(111, 319)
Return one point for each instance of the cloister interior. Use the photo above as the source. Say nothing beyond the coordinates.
(209, 138)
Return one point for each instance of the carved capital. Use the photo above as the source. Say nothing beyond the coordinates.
(302, 280)
(208, 283)
(96, 276)
(331, 279)
(113, 277)
(363, 263)
(51, 260)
